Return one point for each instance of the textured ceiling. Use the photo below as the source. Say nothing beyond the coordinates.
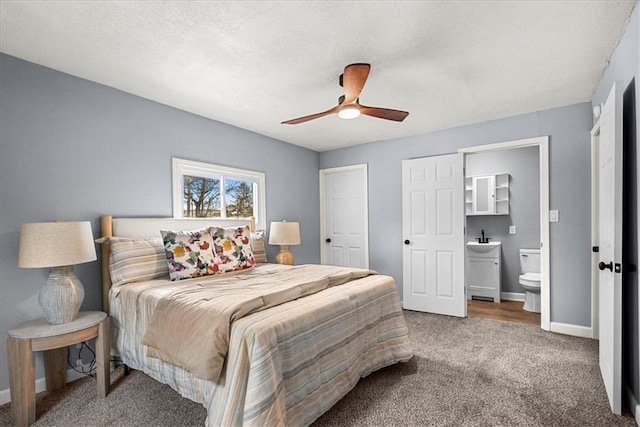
(255, 64)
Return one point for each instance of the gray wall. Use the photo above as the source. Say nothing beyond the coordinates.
(570, 169)
(624, 67)
(524, 207)
(71, 149)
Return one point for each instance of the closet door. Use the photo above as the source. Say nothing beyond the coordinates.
(344, 229)
(433, 233)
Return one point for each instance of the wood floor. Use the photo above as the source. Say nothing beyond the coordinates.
(506, 310)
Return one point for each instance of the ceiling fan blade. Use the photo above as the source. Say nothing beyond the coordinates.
(353, 80)
(384, 113)
(310, 117)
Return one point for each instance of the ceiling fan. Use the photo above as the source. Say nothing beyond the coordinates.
(349, 107)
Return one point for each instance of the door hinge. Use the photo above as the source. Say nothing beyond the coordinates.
(595, 249)
(617, 267)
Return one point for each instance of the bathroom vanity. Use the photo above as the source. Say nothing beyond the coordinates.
(483, 270)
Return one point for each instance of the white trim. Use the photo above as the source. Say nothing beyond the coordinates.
(41, 385)
(365, 209)
(634, 406)
(512, 296)
(180, 167)
(575, 330)
(542, 142)
(595, 212)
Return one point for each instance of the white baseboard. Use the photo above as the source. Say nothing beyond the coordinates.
(512, 296)
(575, 330)
(41, 385)
(507, 296)
(634, 406)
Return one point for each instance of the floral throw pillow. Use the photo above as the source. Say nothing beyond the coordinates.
(189, 253)
(232, 249)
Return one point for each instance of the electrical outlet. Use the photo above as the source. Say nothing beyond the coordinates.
(512, 229)
(554, 216)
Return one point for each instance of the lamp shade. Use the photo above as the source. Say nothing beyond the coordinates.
(55, 244)
(284, 233)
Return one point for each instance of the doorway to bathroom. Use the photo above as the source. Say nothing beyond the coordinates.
(507, 201)
(507, 310)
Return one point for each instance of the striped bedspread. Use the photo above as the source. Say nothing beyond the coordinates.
(190, 327)
(286, 365)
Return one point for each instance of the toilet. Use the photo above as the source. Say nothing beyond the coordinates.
(530, 278)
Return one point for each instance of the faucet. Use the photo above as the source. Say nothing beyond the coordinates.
(483, 239)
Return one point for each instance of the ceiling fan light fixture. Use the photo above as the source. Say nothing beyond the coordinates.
(349, 112)
(353, 80)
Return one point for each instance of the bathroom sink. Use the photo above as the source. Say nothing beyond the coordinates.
(482, 247)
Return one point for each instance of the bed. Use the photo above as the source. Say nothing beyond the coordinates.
(286, 364)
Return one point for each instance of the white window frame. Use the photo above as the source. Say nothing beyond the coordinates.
(182, 167)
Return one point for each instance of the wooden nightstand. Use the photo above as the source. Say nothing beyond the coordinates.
(52, 340)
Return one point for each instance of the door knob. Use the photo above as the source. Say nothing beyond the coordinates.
(328, 240)
(602, 266)
(406, 242)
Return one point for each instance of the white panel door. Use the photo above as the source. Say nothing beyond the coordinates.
(344, 216)
(610, 246)
(433, 230)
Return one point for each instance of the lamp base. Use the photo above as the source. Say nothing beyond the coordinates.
(284, 256)
(60, 298)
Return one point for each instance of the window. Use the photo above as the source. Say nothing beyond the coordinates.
(202, 190)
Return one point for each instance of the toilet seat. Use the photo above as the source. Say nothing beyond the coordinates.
(530, 279)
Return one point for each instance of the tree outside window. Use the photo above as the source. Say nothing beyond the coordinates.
(201, 197)
(239, 198)
(203, 190)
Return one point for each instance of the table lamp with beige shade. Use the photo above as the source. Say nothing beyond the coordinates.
(284, 234)
(58, 246)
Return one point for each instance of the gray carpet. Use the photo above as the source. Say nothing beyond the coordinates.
(465, 372)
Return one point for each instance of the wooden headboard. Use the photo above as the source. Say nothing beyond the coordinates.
(150, 227)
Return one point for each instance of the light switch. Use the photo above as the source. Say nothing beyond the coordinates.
(553, 216)
(512, 229)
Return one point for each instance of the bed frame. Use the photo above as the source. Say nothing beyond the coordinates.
(150, 227)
